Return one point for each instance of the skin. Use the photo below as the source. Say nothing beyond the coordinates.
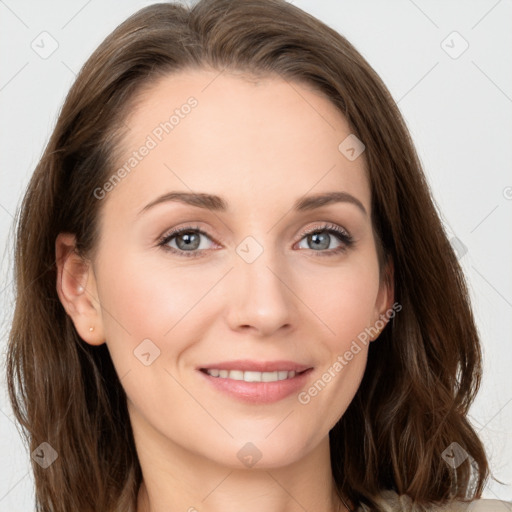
(261, 145)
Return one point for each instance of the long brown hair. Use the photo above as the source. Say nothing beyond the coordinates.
(422, 373)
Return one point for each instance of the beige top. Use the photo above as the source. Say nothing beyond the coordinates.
(392, 502)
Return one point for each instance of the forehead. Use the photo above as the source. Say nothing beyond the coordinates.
(257, 140)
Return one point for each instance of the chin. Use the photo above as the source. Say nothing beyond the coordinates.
(276, 451)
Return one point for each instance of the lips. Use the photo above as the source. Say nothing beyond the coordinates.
(246, 365)
(256, 381)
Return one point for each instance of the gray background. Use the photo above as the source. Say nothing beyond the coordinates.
(458, 109)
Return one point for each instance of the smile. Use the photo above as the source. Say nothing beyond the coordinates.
(251, 376)
(265, 385)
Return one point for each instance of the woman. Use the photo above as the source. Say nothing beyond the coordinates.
(233, 289)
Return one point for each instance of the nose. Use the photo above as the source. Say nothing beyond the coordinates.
(261, 297)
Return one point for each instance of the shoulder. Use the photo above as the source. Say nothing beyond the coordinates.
(485, 505)
(390, 501)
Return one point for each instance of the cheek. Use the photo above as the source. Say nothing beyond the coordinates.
(150, 297)
(345, 303)
(149, 289)
(141, 300)
(344, 300)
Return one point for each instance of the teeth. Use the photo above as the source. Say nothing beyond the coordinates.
(251, 376)
(268, 376)
(236, 375)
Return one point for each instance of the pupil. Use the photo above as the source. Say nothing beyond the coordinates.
(316, 237)
(188, 240)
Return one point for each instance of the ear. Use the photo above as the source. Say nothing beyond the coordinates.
(385, 299)
(77, 291)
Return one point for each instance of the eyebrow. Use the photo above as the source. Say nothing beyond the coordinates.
(215, 203)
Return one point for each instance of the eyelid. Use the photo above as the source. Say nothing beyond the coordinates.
(325, 226)
(343, 235)
(171, 233)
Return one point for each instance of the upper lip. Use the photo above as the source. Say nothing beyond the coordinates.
(257, 366)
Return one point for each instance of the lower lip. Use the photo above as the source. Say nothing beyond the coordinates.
(259, 392)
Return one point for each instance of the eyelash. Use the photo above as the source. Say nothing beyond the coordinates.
(343, 236)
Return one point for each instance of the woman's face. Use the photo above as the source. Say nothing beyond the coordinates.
(254, 293)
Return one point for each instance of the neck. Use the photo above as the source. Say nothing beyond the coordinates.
(175, 478)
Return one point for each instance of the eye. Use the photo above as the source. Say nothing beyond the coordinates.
(187, 241)
(320, 238)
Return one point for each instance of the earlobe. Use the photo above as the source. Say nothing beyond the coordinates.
(76, 288)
